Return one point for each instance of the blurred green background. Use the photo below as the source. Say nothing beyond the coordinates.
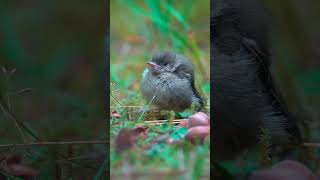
(138, 29)
(57, 49)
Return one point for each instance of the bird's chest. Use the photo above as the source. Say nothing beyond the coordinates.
(167, 85)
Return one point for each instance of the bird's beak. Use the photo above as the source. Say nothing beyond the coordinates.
(153, 65)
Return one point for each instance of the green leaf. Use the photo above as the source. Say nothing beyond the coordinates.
(179, 133)
(155, 150)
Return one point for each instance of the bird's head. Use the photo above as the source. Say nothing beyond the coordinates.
(162, 62)
(169, 62)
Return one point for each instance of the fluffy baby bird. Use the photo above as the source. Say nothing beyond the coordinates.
(168, 83)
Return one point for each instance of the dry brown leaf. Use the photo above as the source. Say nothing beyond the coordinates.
(20, 170)
(127, 138)
(124, 140)
(115, 114)
(13, 159)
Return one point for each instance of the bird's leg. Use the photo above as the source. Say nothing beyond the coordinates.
(172, 117)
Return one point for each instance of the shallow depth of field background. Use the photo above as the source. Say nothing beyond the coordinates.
(57, 50)
(137, 30)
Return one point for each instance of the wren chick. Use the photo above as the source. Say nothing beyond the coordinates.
(168, 83)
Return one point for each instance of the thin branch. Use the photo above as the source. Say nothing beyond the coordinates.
(144, 110)
(53, 143)
(207, 107)
(95, 155)
(6, 111)
(21, 91)
(164, 120)
(17, 122)
(116, 99)
(317, 145)
(158, 123)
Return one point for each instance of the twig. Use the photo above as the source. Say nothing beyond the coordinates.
(6, 111)
(21, 91)
(17, 122)
(155, 94)
(115, 99)
(207, 107)
(311, 145)
(94, 155)
(159, 123)
(164, 120)
(53, 143)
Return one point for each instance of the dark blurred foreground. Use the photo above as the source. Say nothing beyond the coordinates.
(296, 70)
(296, 57)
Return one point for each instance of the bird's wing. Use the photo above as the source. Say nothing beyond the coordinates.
(265, 74)
(196, 93)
